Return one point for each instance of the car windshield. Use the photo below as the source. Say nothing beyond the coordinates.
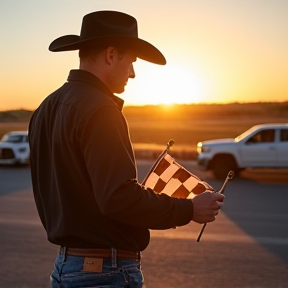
(12, 138)
(243, 135)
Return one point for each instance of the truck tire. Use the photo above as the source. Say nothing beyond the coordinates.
(222, 164)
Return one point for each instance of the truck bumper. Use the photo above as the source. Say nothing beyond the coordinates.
(203, 162)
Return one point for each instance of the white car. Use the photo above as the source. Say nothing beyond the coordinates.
(262, 146)
(14, 148)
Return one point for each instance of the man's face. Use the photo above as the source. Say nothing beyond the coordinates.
(122, 70)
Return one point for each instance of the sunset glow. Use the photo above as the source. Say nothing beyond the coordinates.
(217, 51)
(164, 85)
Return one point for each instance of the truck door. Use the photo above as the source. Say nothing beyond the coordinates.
(260, 150)
(283, 148)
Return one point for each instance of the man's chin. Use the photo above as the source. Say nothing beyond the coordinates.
(119, 91)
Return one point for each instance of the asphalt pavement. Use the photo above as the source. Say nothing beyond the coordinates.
(247, 245)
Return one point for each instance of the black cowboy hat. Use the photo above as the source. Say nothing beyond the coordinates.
(109, 28)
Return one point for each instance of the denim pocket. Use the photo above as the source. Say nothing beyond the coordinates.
(89, 279)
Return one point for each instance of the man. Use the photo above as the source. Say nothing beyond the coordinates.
(83, 168)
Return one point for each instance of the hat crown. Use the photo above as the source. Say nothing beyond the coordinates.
(109, 28)
(108, 23)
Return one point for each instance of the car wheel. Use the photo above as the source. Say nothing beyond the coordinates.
(222, 165)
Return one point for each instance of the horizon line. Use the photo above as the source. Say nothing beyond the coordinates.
(173, 104)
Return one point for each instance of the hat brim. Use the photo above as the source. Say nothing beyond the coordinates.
(143, 49)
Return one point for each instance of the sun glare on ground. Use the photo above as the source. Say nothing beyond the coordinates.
(163, 85)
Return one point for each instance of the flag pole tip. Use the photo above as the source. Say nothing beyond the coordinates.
(170, 143)
(230, 174)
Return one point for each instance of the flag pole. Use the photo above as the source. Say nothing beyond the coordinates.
(168, 146)
(229, 177)
(201, 232)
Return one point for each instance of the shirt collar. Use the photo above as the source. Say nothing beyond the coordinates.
(85, 76)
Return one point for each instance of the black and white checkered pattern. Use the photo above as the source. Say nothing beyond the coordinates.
(170, 178)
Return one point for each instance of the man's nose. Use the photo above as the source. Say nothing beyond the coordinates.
(131, 72)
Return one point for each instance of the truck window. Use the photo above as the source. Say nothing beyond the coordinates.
(264, 136)
(284, 135)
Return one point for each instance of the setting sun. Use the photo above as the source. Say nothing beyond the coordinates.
(170, 84)
(213, 56)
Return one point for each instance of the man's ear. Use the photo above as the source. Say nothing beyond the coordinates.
(110, 54)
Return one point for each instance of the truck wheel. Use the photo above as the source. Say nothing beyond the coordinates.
(222, 165)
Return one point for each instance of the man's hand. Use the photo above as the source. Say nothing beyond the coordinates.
(206, 206)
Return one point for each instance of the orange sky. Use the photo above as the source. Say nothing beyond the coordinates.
(216, 50)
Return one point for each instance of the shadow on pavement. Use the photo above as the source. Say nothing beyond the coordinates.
(257, 203)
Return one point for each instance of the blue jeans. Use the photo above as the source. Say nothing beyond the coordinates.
(68, 273)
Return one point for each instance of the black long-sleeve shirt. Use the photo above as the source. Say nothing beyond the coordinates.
(84, 174)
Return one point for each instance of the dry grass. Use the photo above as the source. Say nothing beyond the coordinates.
(189, 124)
(12, 126)
(152, 126)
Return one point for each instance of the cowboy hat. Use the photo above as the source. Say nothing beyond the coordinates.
(109, 28)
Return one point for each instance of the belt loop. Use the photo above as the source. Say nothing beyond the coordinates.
(114, 257)
(63, 253)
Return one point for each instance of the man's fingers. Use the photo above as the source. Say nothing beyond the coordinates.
(206, 206)
(219, 197)
(219, 204)
(209, 219)
(216, 205)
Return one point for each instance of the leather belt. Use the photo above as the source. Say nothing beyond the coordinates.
(102, 253)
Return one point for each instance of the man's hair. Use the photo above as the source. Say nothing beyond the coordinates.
(88, 52)
(91, 53)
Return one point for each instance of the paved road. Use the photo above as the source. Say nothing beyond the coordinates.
(247, 246)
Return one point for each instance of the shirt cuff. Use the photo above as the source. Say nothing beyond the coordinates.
(183, 212)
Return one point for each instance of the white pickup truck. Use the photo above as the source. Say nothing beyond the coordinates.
(262, 146)
(14, 148)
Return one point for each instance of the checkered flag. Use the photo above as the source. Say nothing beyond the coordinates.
(169, 177)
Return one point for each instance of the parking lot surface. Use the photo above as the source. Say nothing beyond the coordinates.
(247, 245)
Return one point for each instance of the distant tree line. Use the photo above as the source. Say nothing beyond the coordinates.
(15, 115)
(276, 109)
